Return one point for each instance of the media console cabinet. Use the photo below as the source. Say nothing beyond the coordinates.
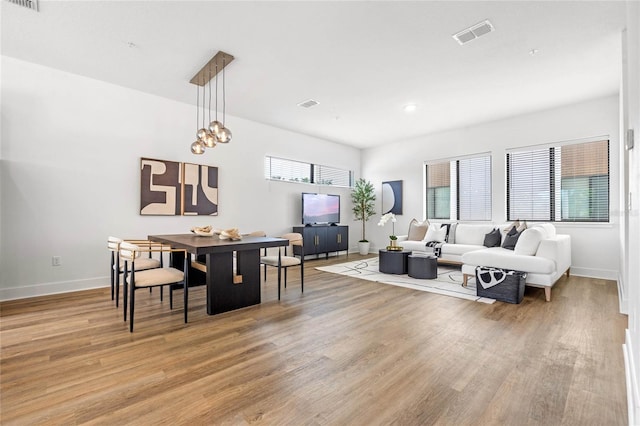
(319, 239)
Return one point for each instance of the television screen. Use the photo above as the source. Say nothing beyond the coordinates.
(320, 208)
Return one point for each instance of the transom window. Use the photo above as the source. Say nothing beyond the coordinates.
(564, 183)
(459, 188)
(282, 169)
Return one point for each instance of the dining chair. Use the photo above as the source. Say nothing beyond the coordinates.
(149, 262)
(286, 261)
(135, 278)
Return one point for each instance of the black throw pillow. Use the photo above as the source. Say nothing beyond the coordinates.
(511, 239)
(493, 238)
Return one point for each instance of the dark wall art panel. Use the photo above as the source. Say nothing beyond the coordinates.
(392, 197)
(200, 190)
(160, 187)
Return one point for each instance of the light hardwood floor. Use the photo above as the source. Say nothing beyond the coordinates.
(346, 352)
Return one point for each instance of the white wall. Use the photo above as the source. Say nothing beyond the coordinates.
(70, 156)
(595, 248)
(631, 273)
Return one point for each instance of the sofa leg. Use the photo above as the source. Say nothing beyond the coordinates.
(547, 293)
(568, 272)
(465, 277)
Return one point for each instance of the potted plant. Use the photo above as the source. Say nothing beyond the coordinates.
(363, 197)
(393, 238)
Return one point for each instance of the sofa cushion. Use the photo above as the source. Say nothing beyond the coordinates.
(493, 238)
(511, 239)
(499, 257)
(471, 233)
(413, 245)
(548, 228)
(417, 230)
(528, 242)
(435, 233)
(460, 249)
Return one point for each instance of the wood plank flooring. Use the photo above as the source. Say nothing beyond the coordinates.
(346, 352)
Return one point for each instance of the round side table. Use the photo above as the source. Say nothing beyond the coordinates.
(393, 261)
(423, 267)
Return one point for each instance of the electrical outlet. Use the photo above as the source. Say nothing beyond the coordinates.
(55, 261)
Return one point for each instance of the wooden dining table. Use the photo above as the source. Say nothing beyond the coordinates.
(227, 288)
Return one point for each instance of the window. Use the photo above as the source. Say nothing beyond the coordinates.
(459, 189)
(296, 171)
(565, 183)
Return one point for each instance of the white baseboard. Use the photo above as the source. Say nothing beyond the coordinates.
(52, 288)
(633, 391)
(605, 274)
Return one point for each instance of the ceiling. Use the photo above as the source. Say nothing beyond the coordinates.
(363, 61)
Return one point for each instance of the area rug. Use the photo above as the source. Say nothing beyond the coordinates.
(448, 282)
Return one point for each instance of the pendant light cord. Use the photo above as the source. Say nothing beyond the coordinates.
(209, 72)
(216, 90)
(224, 96)
(197, 108)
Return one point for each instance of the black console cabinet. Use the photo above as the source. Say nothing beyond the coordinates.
(321, 239)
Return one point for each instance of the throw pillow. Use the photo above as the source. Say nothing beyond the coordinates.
(435, 233)
(528, 242)
(511, 239)
(522, 226)
(493, 238)
(417, 230)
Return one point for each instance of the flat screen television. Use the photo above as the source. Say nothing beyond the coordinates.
(320, 208)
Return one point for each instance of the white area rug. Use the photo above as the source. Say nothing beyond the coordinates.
(448, 283)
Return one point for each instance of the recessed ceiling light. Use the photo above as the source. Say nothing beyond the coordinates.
(410, 108)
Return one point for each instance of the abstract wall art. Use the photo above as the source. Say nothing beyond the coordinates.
(173, 188)
(200, 190)
(392, 197)
(160, 187)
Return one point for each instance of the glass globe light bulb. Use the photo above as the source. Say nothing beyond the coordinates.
(209, 140)
(215, 126)
(201, 133)
(197, 147)
(224, 136)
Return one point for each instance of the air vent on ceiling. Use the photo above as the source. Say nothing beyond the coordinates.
(471, 33)
(29, 4)
(308, 103)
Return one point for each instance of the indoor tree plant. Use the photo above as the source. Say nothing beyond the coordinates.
(363, 197)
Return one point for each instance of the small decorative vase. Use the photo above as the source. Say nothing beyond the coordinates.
(393, 246)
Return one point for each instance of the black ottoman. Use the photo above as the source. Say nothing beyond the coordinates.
(423, 267)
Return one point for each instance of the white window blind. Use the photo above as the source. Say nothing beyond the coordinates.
(567, 182)
(529, 185)
(287, 170)
(474, 188)
(297, 171)
(324, 175)
(459, 189)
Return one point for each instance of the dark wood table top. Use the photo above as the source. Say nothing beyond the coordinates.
(197, 244)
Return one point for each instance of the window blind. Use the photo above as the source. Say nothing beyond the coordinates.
(459, 189)
(297, 171)
(567, 182)
(474, 188)
(529, 185)
(325, 175)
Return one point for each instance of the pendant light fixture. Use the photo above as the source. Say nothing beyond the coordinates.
(216, 132)
(198, 146)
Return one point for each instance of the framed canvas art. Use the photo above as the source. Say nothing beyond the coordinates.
(199, 190)
(392, 197)
(160, 187)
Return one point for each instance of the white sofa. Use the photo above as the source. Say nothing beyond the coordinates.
(540, 252)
